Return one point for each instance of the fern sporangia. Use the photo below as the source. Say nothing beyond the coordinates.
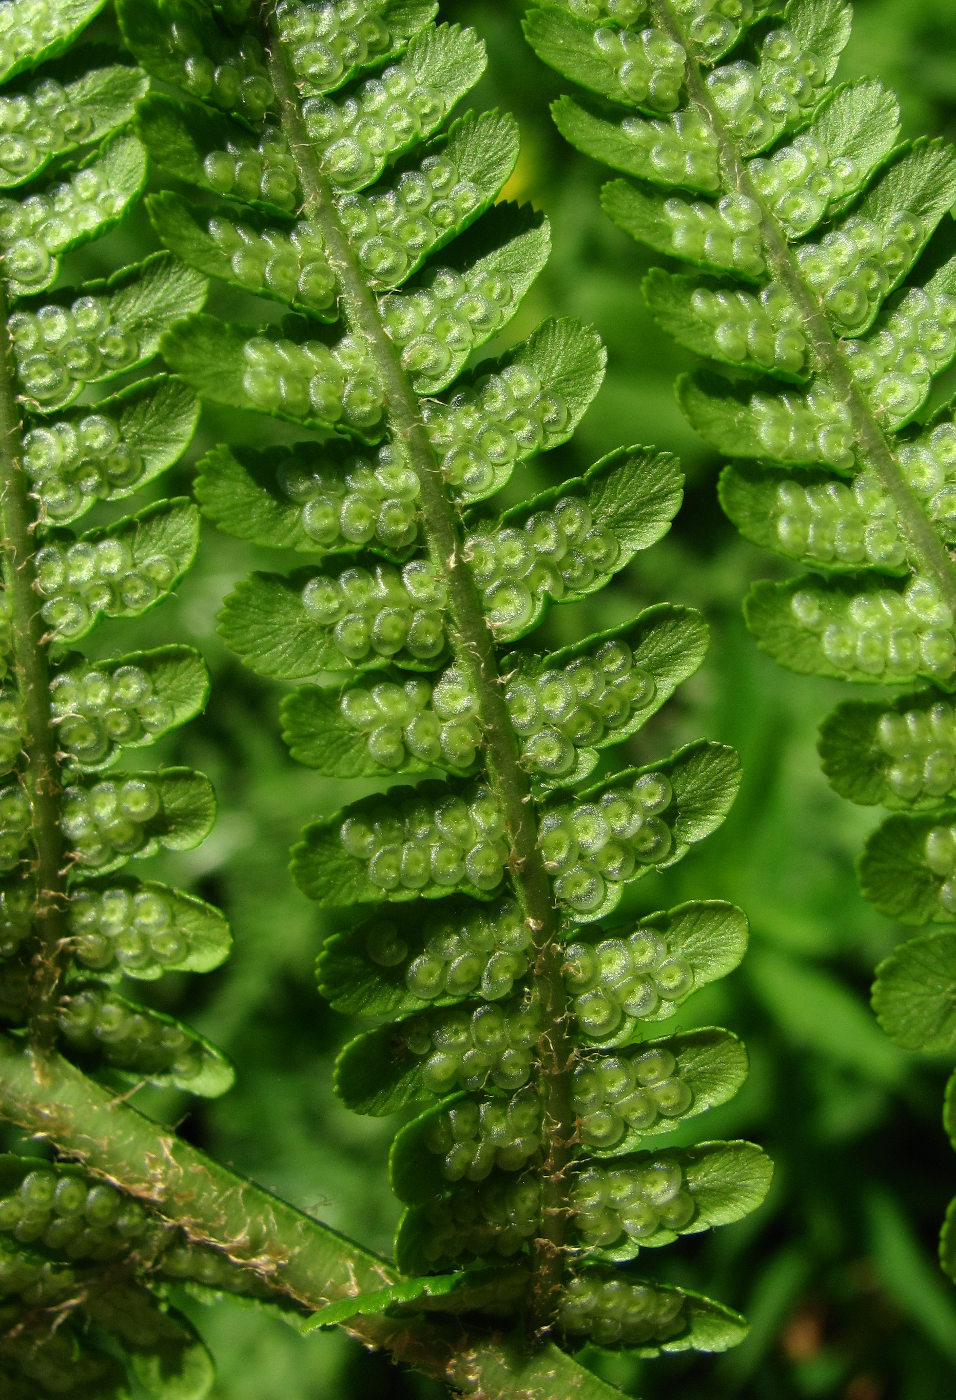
(79, 1260)
(324, 178)
(824, 291)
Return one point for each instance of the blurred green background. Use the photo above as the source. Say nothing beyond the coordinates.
(837, 1272)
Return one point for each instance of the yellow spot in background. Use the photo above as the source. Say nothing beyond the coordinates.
(522, 181)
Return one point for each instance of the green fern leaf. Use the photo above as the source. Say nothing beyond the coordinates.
(94, 198)
(119, 571)
(655, 969)
(55, 119)
(797, 196)
(175, 674)
(121, 321)
(429, 842)
(80, 1316)
(141, 1043)
(133, 437)
(308, 499)
(906, 868)
(842, 627)
(890, 754)
(342, 200)
(697, 1189)
(426, 724)
(913, 994)
(656, 1319)
(40, 30)
(185, 933)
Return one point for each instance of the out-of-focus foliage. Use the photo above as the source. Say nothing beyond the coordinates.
(837, 1272)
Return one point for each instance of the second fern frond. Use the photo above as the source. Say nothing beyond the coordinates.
(519, 1020)
(825, 290)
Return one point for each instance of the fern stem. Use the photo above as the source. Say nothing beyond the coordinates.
(41, 773)
(934, 559)
(212, 1204)
(475, 650)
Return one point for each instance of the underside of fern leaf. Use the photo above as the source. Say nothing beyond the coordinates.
(824, 294)
(83, 1269)
(520, 1023)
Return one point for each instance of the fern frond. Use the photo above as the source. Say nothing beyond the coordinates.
(79, 1261)
(347, 200)
(825, 284)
